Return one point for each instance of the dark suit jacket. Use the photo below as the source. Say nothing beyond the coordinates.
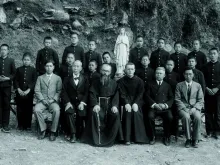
(156, 94)
(136, 54)
(75, 94)
(172, 78)
(92, 77)
(199, 78)
(200, 58)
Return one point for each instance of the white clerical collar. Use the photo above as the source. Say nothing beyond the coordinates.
(188, 83)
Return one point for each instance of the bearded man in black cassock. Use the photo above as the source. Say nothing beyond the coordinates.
(104, 119)
(131, 89)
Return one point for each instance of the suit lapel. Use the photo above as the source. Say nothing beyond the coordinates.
(80, 81)
(45, 79)
(72, 82)
(192, 89)
(160, 88)
(184, 89)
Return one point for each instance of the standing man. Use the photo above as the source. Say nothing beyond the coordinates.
(137, 52)
(131, 89)
(45, 54)
(211, 73)
(159, 57)
(198, 75)
(7, 71)
(74, 97)
(159, 97)
(200, 56)
(75, 49)
(104, 120)
(47, 91)
(190, 100)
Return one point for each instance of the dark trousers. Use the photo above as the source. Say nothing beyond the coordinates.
(24, 110)
(212, 113)
(5, 98)
(167, 121)
(75, 124)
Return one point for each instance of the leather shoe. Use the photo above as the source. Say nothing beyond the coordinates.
(52, 136)
(42, 135)
(195, 143)
(152, 141)
(127, 143)
(187, 144)
(73, 138)
(166, 141)
(215, 136)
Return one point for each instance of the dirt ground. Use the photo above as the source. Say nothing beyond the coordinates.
(23, 148)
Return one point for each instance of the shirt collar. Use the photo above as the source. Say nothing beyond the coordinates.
(75, 76)
(188, 83)
(49, 75)
(159, 81)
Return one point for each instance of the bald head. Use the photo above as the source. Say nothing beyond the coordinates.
(106, 69)
(77, 67)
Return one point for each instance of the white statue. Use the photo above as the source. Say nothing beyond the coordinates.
(121, 52)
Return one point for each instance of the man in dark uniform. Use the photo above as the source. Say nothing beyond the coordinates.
(160, 56)
(75, 49)
(92, 74)
(107, 59)
(159, 97)
(25, 79)
(45, 54)
(137, 52)
(179, 59)
(200, 56)
(172, 78)
(211, 73)
(145, 72)
(7, 71)
(198, 75)
(104, 120)
(74, 97)
(92, 55)
(66, 70)
(131, 89)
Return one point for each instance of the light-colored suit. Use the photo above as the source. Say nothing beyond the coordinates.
(196, 100)
(48, 89)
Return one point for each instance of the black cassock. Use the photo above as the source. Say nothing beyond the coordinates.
(131, 91)
(104, 127)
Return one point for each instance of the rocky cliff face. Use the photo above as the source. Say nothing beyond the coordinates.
(24, 23)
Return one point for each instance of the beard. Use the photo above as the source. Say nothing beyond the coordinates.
(104, 80)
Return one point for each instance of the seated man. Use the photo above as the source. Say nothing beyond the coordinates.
(74, 97)
(47, 90)
(159, 97)
(190, 100)
(104, 119)
(131, 89)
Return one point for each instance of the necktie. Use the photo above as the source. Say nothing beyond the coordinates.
(188, 92)
(159, 83)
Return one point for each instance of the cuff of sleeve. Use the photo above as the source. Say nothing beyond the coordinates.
(152, 106)
(83, 103)
(166, 105)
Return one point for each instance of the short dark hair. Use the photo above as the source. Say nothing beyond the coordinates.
(94, 62)
(191, 57)
(197, 40)
(139, 36)
(187, 68)
(105, 54)
(160, 39)
(69, 54)
(129, 63)
(27, 54)
(177, 42)
(47, 38)
(74, 33)
(170, 60)
(145, 56)
(92, 41)
(49, 61)
(214, 48)
(5, 45)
